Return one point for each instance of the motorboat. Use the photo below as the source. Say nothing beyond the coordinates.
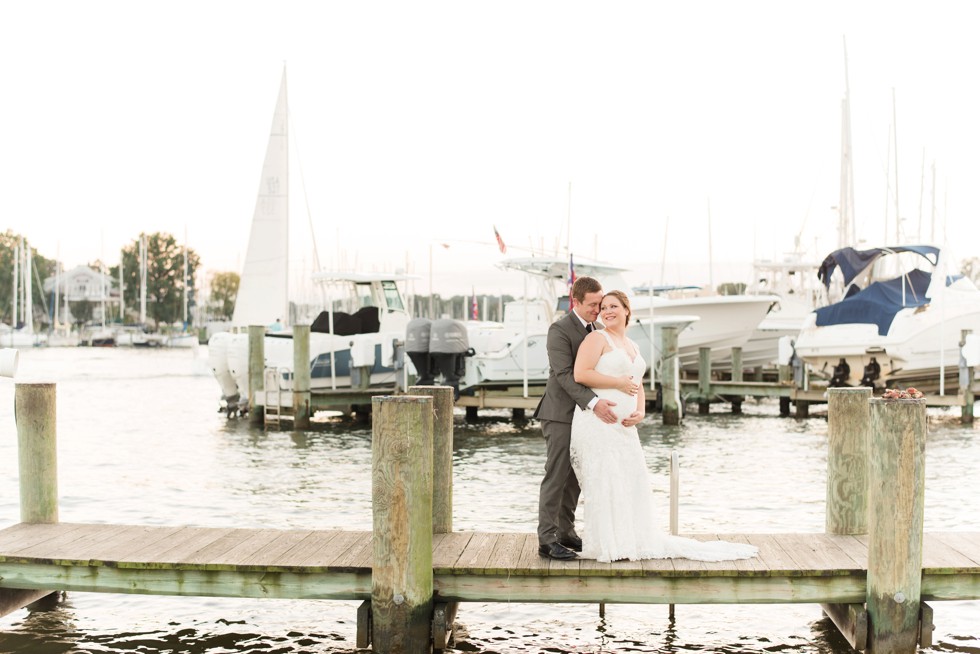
(894, 315)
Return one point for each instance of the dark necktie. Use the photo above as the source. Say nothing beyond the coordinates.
(588, 328)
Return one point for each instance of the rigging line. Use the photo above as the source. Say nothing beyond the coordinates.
(306, 198)
(44, 302)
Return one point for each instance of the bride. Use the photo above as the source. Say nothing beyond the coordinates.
(608, 459)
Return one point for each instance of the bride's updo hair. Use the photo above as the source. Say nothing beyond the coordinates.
(625, 301)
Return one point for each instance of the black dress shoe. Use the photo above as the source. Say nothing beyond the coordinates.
(556, 551)
(572, 542)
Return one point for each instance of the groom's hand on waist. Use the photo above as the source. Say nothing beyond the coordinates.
(603, 409)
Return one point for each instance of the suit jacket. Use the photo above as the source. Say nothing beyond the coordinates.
(562, 393)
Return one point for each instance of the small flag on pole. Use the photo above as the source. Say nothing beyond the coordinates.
(475, 314)
(500, 241)
(571, 280)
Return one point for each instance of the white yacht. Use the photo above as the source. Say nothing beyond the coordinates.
(897, 318)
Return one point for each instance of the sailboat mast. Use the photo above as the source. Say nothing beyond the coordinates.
(286, 318)
(28, 296)
(143, 246)
(16, 295)
(846, 230)
(898, 220)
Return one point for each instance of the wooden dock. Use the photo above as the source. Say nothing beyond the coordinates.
(466, 566)
(872, 572)
(270, 403)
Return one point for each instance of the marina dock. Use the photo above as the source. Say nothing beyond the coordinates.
(270, 403)
(873, 570)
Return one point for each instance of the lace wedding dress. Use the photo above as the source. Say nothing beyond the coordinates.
(611, 469)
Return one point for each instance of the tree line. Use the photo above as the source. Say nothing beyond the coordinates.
(165, 282)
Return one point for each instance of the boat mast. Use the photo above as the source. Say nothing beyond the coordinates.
(846, 234)
(28, 297)
(143, 247)
(898, 220)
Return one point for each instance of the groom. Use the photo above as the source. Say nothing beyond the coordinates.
(560, 488)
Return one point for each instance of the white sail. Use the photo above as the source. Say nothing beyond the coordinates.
(263, 293)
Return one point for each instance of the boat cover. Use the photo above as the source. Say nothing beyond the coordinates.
(852, 262)
(878, 304)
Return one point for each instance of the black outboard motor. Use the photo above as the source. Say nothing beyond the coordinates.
(841, 372)
(448, 345)
(417, 336)
(872, 372)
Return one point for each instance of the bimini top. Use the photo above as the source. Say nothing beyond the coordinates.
(878, 304)
(852, 262)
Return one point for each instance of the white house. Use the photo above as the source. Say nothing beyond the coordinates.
(81, 284)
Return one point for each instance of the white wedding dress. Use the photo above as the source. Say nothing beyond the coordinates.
(611, 469)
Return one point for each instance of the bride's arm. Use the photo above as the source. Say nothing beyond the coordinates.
(586, 360)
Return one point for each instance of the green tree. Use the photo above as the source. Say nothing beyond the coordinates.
(164, 277)
(42, 268)
(224, 290)
(81, 311)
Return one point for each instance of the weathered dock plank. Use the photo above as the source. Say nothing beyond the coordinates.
(467, 566)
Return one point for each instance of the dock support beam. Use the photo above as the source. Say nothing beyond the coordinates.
(401, 471)
(301, 377)
(896, 503)
(669, 382)
(35, 408)
(256, 372)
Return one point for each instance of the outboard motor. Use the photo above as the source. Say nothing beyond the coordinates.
(448, 345)
(872, 372)
(417, 347)
(841, 372)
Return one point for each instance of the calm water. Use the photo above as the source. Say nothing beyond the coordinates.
(141, 442)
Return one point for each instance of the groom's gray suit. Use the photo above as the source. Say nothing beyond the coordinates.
(560, 488)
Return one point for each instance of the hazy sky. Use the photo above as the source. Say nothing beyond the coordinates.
(422, 122)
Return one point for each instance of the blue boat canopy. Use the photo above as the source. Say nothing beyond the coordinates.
(852, 262)
(878, 304)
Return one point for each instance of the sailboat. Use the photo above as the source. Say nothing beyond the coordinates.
(357, 330)
(23, 301)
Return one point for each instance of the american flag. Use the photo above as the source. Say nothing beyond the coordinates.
(475, 314)
(571, 280)
(500, 241)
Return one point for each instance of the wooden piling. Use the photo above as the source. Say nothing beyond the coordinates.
(966, 383)
(301, 377)
(669, 382)
(34, 409)
(704, 380)
(442, 455)
(848, 426)
(256, 370)
(35, 412)
(896, 501)
(737, 376)
(401, 468)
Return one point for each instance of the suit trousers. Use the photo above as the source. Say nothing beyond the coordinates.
(560, 488)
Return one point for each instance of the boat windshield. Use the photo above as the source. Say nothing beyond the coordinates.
(392, 296)
(365, 298)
